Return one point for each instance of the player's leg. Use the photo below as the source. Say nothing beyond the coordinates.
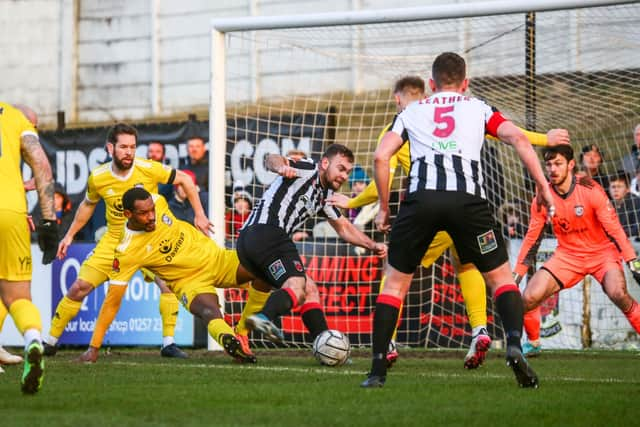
(205, 305)
(169, 308)
(108, 311)
(70, 305)
(6, 358)
(15, 293)
(311, 311)
(532, 320)
(474, 294)
(615, 286)
(477, 240)
(411, 235)
(269, 253)
(258, 293)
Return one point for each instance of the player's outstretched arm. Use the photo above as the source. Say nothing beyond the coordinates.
(512, 135)
(350, 233)
(551, 138)
(82, 216)
(390, 144)
(280, 165)
(200, 220)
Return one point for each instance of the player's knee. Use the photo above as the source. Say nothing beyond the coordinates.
(312, 294)
(79, 289)
(529, 301)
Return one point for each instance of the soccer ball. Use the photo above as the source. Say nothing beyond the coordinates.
(331, 348)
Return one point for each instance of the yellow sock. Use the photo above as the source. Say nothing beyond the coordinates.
(474, 293)
(218, 327)
(25, 315)
(66, 310)
(3, 314)
(395, 328)
(254, 304)
(108, 311)
(169, 308)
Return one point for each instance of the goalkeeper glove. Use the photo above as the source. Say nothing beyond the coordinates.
(634, 266)
(48, 239)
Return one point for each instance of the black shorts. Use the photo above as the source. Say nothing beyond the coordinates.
(465, 217)
(268, 252)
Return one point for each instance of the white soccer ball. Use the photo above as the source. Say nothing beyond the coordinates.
(331, 348)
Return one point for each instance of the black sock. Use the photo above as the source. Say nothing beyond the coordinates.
(278, 303)
(511, 310)
(384, 322)
(315, 322)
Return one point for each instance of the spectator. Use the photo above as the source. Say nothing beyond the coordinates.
(512, 224)
(63, 208)
(627, 205)
(198, 162)
(179, 204)
(635, 184)
(358, 182)
(631, 162)
(591, 160)
(156, 151)
(242, 203)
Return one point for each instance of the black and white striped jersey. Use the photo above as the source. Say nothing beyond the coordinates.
(289, 202)
(445, 133)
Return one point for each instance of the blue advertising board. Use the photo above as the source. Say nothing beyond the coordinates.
(137, 323)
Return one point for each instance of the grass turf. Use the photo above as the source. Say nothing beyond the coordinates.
(130, 387)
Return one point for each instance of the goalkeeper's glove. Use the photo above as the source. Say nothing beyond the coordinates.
(48, 239)
(634, 266)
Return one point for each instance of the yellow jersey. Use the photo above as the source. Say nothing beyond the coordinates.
(13, 126)
(403, 156)
(104, 184)
(174, 250)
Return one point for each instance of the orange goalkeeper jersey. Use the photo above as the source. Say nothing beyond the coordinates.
(584, 224)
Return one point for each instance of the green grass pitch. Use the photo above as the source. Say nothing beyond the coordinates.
(133, 387)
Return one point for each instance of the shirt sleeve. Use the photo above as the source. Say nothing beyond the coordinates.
(92, 192)
(163, 174)
(608, 217)
(535, 138)
(330, 211)
(532, 239)
(492, 119)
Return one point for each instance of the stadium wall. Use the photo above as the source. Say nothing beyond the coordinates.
(105, 60)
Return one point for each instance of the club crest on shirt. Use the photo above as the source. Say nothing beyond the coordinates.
(579, 210)
(277, 269)
(166, 219)
(116, 265)
(306, 202)
(487, 242)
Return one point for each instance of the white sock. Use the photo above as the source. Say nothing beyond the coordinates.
(51, 340)
(30, 335)
(167, 341)
(477, 330)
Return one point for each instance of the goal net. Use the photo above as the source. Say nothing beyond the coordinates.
(304, 88)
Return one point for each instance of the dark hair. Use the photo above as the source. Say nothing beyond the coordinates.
(591, 147)
(132, 195)
(119, 129)
(160, 144)
(335, 149)
(448, 69)
(410, 84)
(564, 150)
(620, 176)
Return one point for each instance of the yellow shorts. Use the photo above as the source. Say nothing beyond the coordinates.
(15, 247)
(440, 243)
(219, 272)
(96, 267)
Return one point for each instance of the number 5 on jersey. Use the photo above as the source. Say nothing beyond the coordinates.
(445, 123)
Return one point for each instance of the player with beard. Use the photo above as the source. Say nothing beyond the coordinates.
(590, 241)
(109, 182)
(265, 247)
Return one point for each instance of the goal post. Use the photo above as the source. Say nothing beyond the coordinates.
(304, 81)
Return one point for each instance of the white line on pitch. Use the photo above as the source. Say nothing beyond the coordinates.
(350, 372)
